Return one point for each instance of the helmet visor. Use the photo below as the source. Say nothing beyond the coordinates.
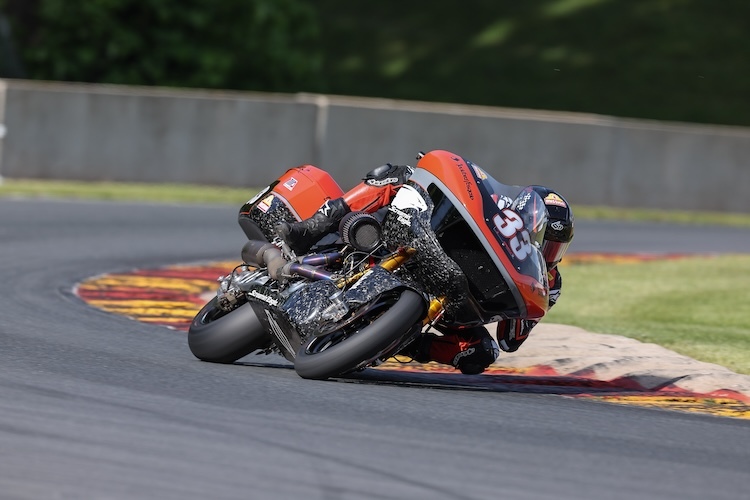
(553, 251)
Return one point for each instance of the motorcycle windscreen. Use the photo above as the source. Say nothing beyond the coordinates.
(486, 284)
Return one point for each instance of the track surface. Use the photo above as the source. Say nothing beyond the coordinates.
(94, 405)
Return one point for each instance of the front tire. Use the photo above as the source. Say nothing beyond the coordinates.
(383, 325)
(224, 337)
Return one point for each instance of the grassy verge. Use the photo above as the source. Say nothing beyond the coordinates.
(676, 216)
(696, 306)
(190, 193)
(123, 191)
(692, 306)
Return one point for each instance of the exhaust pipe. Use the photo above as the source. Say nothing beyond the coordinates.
(263, 254)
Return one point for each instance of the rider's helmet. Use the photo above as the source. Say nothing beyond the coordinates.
(560, 224)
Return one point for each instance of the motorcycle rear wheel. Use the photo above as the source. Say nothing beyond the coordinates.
(382, 326)
(218, 336)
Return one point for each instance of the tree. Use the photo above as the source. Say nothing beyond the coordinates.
(268, 45)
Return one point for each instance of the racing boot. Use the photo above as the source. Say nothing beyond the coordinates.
(471, 350)
(301, 236)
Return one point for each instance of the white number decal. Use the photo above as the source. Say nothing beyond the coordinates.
(511, 227)
(508, 225)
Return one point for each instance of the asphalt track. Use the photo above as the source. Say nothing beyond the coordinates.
(94, 405)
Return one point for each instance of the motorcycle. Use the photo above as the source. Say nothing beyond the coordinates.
(455, 248)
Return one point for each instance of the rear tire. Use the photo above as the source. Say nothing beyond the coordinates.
(224, 337)
(379, 329)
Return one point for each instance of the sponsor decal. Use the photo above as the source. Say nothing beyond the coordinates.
(523, 201)
(403, 217)
(463, 354)
(265, 204)
(383, 182)
(553, 199)
(480, 173)
(557, 225)
(290, 183)
(467, 182)
(502, 201)
(264, 298)
(325, 209)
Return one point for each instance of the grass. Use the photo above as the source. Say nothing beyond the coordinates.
(190, 193)
(653, 215)
(693, 306)
(122, 191)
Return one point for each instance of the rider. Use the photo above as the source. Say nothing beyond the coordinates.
(470, 349)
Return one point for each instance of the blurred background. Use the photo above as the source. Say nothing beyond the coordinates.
(647, 99)
(679, 60)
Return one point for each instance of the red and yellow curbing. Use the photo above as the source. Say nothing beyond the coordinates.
(172, 296)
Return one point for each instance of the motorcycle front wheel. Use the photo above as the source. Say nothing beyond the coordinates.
(224, 337)
(378, 327)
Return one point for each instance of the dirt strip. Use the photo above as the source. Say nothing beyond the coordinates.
(576, 352)
(572, 351)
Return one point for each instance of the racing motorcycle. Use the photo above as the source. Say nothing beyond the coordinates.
(455, 248)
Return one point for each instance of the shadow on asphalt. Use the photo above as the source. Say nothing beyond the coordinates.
(493, 380)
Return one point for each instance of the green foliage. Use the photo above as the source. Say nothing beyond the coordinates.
(695, 306)
(241, 44)
(678, 60)
(682, 60)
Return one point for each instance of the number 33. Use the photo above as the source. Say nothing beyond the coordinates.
(510, 225)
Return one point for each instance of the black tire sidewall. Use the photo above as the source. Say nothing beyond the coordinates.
(367, 343)
(227, 338)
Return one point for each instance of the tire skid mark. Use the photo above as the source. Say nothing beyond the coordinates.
(171, 296)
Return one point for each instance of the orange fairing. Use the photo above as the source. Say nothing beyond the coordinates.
(534, 294)
(306, 188)
(452, 170)
(461, 179)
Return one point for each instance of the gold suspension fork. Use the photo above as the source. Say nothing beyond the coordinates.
(435, 311)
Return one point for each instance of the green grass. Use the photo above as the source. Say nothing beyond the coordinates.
(122, 191)
(190, 193)
(654, 215)
(693, 306)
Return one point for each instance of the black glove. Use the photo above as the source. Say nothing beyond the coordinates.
(389, 174)
(511, 333)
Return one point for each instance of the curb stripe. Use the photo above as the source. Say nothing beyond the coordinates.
(171, 296)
